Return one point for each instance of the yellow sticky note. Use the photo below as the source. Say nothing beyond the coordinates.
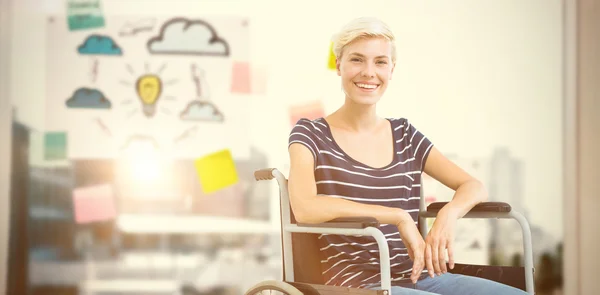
(216, 171)
(332, 62)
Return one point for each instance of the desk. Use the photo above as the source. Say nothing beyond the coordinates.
(193, 224)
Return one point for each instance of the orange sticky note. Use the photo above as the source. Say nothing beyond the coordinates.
(332, 61)
(94, 203)
(216, 171)
(311, 111)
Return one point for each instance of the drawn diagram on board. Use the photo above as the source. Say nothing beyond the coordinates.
(139, 140)
(199, 80)
(201, 109)
(103, 126)
(133, 28)
(96, 44)
(123, 79)
(94, 71)
(88, 98)
(188, 37)
(185, 134)
(149, 88)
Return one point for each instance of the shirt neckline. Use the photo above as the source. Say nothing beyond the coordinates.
(333, 141)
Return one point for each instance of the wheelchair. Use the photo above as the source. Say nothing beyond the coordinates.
(302, 276)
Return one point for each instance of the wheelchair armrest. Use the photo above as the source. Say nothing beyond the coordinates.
(345, 222)
(481, 207)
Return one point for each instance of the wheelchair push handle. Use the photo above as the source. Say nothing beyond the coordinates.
(264, 174)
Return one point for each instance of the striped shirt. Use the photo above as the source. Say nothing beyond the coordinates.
(352, 261)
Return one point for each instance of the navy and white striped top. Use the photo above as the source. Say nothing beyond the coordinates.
(351, 261)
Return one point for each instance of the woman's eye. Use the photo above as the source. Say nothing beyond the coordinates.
(383, 62)
(354, 59)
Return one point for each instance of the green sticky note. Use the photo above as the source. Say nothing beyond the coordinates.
(55, 146)
(216, 171)
(84, 14)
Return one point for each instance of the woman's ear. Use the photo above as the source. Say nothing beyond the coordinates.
(392, 71)
(337, 67)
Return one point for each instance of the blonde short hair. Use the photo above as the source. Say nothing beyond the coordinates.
(364, 27)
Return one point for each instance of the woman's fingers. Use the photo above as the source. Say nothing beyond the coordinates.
(435, 257)
(418, 264)
(451, 254)
(428, 260)
(442, 257)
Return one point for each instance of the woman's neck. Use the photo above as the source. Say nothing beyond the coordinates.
(356, 117)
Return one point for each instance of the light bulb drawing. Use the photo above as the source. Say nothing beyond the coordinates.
(149, 88)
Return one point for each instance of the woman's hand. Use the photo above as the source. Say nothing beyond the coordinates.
(439, 239)
(414, 244)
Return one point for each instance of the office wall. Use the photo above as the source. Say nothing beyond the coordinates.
(589, 144)
(582, 142)
(5, 139)
(472, 75)
(482, 79)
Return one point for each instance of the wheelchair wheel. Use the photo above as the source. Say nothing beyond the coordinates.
(273, 288)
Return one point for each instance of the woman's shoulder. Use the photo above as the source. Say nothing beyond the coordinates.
(399, 124)
(310, 127)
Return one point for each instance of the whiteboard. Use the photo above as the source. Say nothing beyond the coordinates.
(164, 82)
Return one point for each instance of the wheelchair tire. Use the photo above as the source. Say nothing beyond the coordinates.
(271, 285)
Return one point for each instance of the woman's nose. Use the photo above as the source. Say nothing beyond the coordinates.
(368, 71)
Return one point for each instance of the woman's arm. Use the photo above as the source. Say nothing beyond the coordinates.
(468, 190)
(468, 193)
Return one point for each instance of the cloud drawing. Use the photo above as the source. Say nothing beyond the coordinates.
(99, 44)
(132, 28)
(183, 36)
(87, 98)
(201, 111)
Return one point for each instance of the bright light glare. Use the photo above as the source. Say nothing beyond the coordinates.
(145, 169)
(144, 162)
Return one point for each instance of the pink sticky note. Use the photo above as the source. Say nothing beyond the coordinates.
(240, 80)
(311, 111)
(94, 203)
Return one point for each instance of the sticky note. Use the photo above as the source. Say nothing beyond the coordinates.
(55, 146)
(311, 111)
(216, 171)
(248, 79)
(84, 14)
(331, 64)
(240, 80)
(94, 203)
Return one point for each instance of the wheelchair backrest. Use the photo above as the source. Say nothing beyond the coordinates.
(307, 261)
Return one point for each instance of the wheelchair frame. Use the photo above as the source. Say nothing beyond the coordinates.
(367, 227)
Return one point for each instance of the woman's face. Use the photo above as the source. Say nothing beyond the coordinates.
(366, 67)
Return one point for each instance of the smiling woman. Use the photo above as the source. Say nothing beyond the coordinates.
(354, 163)
(365, 60)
